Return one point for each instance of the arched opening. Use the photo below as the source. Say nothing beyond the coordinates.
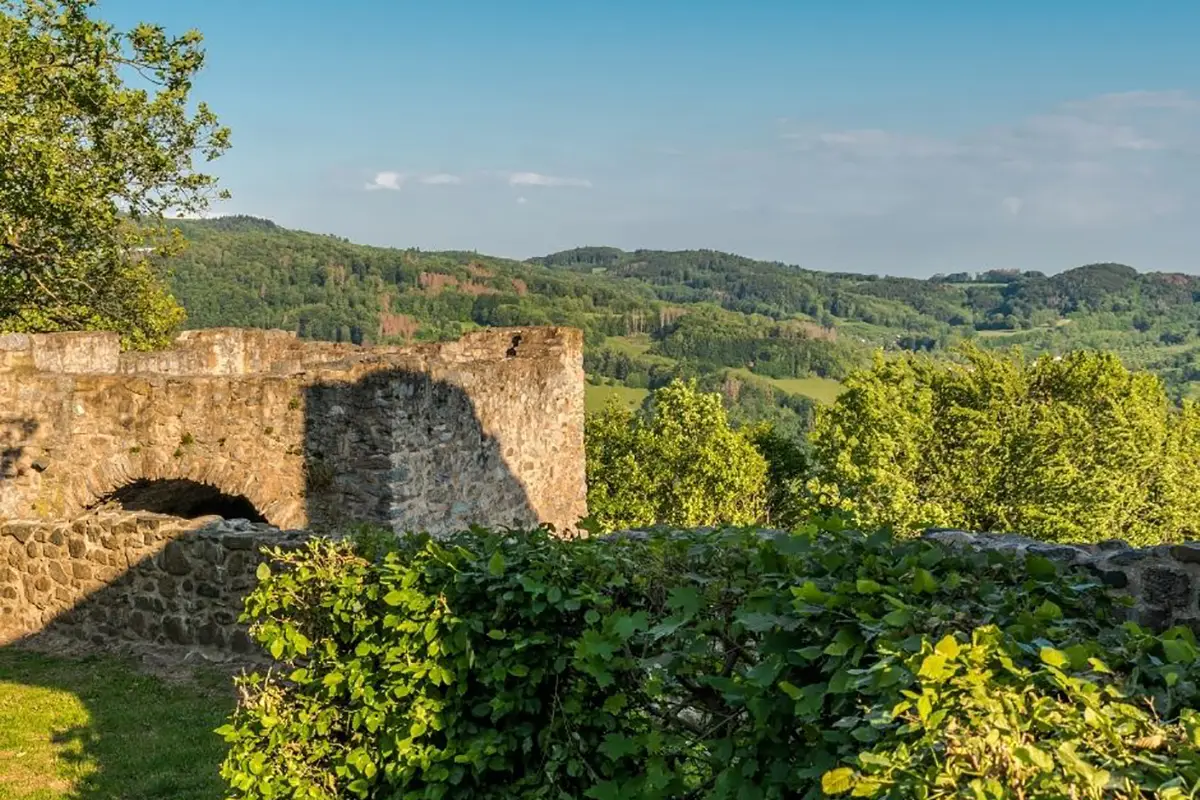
(180, 498)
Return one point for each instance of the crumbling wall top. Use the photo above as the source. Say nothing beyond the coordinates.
(249, 351)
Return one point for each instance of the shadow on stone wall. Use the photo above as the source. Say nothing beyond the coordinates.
(12, 432)
(397, 448)
(394, 446)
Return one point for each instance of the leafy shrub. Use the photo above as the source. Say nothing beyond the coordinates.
(718, 664)
(1062, 449)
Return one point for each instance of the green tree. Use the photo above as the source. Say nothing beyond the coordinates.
(676, 462)
(787, 469)
(1071, 448)
(91, 163)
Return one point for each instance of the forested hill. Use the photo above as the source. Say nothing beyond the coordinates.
(650, 313)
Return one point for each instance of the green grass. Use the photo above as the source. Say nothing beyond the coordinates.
(96, 729)
(637, 346)
(634, 345)
(823, 390)
(597, 397)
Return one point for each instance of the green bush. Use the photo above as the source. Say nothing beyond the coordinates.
(718, 664)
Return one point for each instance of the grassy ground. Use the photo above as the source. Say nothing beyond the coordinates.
(95, 729)
(634, 345)
(823, 390)
(637, 346)
(597, 397)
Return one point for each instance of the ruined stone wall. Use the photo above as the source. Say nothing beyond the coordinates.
(141, 582)
(1163, 581)
(487, 429)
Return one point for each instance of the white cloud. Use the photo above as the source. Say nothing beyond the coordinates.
(521, 201)
(441, 179)
(386, 180)
(537, 179)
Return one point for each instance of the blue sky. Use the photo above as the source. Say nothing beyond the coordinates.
(906, 138)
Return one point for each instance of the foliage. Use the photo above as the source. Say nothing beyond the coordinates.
(676, 462)
(703, 664)
(85, 156)
(1063, 448)
(787, 472)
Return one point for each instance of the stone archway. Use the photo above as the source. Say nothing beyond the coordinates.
(180, 497)
(185, 486)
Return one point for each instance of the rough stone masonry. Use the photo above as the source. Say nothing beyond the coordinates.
(484, 430)
(257, 424)
(143, 583)
(157, 585)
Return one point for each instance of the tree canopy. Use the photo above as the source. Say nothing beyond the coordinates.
(676, 462)
(1070, 448)
(97, 141)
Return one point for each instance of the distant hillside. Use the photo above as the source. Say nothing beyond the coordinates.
(651, 314)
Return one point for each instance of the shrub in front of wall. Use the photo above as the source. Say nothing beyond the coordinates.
(703, 664)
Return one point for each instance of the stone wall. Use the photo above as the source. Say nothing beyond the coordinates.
(487, 429)
(152, 584)
(1163, 581)
(141, 582)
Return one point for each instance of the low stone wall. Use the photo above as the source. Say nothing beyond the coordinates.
(1164, 581)
(153, 584)
(138, 582)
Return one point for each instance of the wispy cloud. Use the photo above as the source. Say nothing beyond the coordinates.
(386, 180)
(1175, 99)
(538, 179)
(394, 181)
(1115, 176)
(1116, 157)
(441, 179)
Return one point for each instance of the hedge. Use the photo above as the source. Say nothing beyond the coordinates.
(703, 664)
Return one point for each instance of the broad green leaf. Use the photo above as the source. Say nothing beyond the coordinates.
(837, 781)
(948, 647)
(1041, 568)
(924, 582)
(1053, 657)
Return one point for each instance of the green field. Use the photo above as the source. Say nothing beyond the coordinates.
(636, 346)
(95, 729)
(823, 390)
(597, 397)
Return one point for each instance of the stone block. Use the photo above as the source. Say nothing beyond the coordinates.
(1188, 553)
(175, 560)
(1165, 587)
